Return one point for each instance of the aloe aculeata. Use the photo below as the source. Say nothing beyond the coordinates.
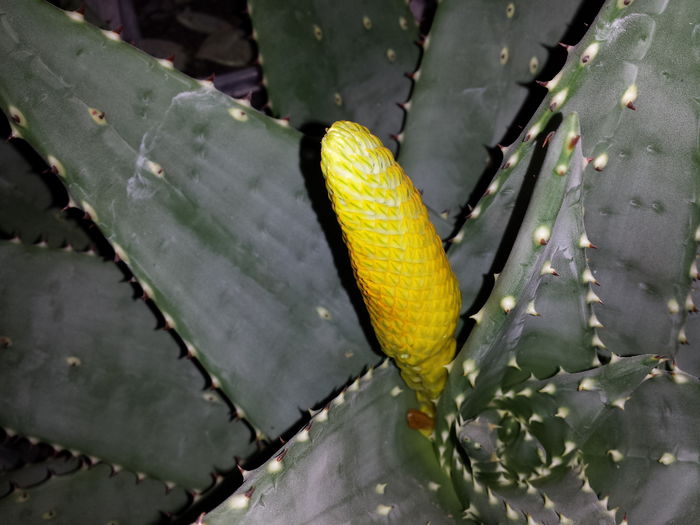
(573, 397)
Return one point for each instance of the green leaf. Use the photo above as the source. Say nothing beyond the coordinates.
(203, 198)
(337, 61)
(356, 461)
(28, 207)
(479, 59)
(85, 369)
(647, 452)
(91, 495)
(578, 424)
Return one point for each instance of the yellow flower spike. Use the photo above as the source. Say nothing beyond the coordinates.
(409, 289)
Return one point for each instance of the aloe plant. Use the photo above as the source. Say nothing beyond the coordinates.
(573, 396)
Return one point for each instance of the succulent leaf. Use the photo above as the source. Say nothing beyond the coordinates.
(629, 465)
(630, 45)
(221, 234)
(478, 60)
(574, 398)
(354, 56)
(113, 497)
(592, 405)
(25, 464)
(78, 376)
(357, 452)
(28, 209)
(488, 362)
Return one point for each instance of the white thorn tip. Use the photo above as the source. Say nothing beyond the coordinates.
(587, 277)
(673, 306)
(584, 242)
(597, 342)
(558, 99)
(513, 363)
(550, 389)
(667, 458)
(588, 383)
(75, 16)
(477, 316)
(554, 82)
(620, 402)
(600, 162)
(593, 322)
(542, 235)
(531, 309)
(629, 96)
(615, 455)
(547, 269)
(590, 53)
(591, 297)
(239, 502)
(507, 303)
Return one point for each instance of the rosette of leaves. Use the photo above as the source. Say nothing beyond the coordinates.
(579, 361)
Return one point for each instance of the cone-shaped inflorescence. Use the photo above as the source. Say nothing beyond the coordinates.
(410, 291)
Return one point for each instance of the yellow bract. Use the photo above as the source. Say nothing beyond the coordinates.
(400, 265)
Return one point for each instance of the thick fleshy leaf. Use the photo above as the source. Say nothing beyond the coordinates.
(327, 61)
(92, 495)
(207, 201)
(29, 208)
(480, 58)
(355, 462)
(83, 367)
